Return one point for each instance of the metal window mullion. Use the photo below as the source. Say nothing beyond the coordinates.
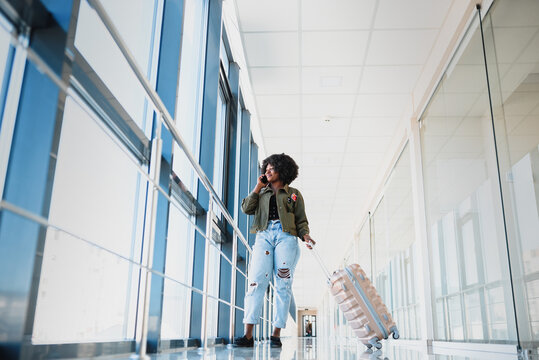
(233, 281)
(204, 319)
(156, 170)
(232, 316)
(461, 266)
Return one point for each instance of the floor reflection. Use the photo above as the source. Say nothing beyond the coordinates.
(316, 349)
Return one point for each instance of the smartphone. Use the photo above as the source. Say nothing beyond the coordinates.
(264, 179)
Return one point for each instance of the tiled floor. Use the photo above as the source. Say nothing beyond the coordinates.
(319, 349)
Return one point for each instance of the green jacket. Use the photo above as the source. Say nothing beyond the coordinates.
(291, 212)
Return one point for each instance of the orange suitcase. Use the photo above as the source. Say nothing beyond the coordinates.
(362, 306)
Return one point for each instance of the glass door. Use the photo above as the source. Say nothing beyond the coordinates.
(309, 325)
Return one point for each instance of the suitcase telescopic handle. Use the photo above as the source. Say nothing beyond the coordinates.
(320, 262)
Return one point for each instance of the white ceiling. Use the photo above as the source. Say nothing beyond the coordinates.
(356, 64)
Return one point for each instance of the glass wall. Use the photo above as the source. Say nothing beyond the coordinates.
(108, 240)
(395, 265)
(479, 145)
(471, 287)
(511, 37)
(83, 203)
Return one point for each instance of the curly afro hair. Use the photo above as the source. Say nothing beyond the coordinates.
(284, 165)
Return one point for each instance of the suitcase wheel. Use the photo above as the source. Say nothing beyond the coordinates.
(395, 332)
(375, 342)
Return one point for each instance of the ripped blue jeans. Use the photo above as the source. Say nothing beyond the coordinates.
(275, 252)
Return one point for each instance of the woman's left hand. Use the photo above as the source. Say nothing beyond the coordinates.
(309, 241)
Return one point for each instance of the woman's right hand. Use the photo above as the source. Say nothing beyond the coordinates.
(260, 184)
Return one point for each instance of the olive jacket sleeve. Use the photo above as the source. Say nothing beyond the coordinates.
(250, 203)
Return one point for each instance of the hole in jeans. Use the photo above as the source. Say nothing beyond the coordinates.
(252, 288)
(283, 273)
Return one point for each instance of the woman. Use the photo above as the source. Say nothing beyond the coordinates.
(279, 218)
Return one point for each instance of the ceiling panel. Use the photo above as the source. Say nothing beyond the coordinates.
(509, 14)
(330, 80)
(373, 126)
(381, 105)
(355, 194)
(511, 122)
(270, 106)
(359, 172)
(272, 49)
(367, 144)
(322, 160)
(400, 47)
(521, 145)
(327, 106)
(321, 127)
(337, 14)
(465, 78)
(315, 197)
(350, 182)
(324, 144)
(333, 48)
(531, 54)
(275, 80)
(481, 105)
(529, 126)
(322, 173)
(389, 79)
(441, 125)
(472, 53)
(521, 103)
(453, 104)
(513, 75)
(511, 42)
(262, 15)
(464, 144)
(411, 14)
(365, 159)
(273, 127)
(280, 145)
(328, 187)
(471, 126)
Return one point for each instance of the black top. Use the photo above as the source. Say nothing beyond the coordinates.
(273, 214)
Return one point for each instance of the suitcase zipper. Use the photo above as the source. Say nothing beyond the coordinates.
(367, 302)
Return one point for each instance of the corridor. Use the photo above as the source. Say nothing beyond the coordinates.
(167, 165)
